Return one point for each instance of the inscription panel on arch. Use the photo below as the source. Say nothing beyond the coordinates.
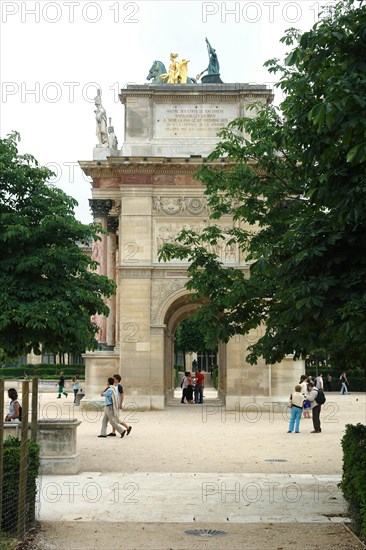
(191, 121)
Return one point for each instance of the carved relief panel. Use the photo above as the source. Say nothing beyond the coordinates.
(161, 289)
(167, 231)
(180, 206)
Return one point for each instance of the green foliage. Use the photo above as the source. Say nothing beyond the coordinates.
(177, 369)
(353, 482)
(44, 371)
(11, 450)
(190, 336)
(48, 286)
(7, 542)
(294, 182)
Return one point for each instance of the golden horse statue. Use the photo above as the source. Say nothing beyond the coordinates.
(178, 71)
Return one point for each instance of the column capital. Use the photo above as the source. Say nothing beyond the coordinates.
(100, 207)
(112, 224)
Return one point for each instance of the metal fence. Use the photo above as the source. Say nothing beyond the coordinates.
(19, 462)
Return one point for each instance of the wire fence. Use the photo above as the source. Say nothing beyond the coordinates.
(19, 466)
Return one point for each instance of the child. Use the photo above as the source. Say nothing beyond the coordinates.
(297, 403)
(307, 408)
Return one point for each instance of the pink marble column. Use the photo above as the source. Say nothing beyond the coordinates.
(112, 226)
(100, 209)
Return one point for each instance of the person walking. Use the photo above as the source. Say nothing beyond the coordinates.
(61, 386)
(111, 409)
(329, 382)
(344, 383)
(315, 407)
(120, 398)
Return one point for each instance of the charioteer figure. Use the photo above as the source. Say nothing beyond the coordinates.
(213, 69)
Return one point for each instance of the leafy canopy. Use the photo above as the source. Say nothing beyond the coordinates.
(294, 183)
(48, 286)
(190, 337)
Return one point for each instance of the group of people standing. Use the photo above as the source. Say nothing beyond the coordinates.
(308, 396)
(192, 385)
(113, 401)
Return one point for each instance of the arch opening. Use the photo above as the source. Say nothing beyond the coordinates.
(186, 351)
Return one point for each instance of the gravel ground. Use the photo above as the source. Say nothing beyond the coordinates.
(191, 438)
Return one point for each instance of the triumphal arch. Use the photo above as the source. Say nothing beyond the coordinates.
(143, 194)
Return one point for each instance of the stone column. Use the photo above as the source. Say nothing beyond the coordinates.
(112, 226)
(100, 209)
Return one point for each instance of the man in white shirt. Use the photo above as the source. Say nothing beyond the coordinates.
(319, 382)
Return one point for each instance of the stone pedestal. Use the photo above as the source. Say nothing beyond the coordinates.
(101, 153)
(183, 119)
(79, 397)
(211, 79)
(96, 403)
(100, 365)
(57, 440)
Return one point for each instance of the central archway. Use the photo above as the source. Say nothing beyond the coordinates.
(180, 307)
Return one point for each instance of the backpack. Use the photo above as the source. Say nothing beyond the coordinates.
(181, 384)
(320, 398)
(20, 413)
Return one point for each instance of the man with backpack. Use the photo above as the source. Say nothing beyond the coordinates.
(317, 399)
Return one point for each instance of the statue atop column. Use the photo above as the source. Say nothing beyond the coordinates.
(178, 71)
(101, 121)
(176, 74)
(112, 138)
(213, 69)
(173, 76)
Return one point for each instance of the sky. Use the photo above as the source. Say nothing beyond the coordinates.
(54, 55)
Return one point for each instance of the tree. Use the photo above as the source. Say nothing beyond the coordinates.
(190, 337)
(295, 176)
(48, 286)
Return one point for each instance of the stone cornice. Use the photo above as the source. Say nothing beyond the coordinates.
(192, 92)
(153, 166)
